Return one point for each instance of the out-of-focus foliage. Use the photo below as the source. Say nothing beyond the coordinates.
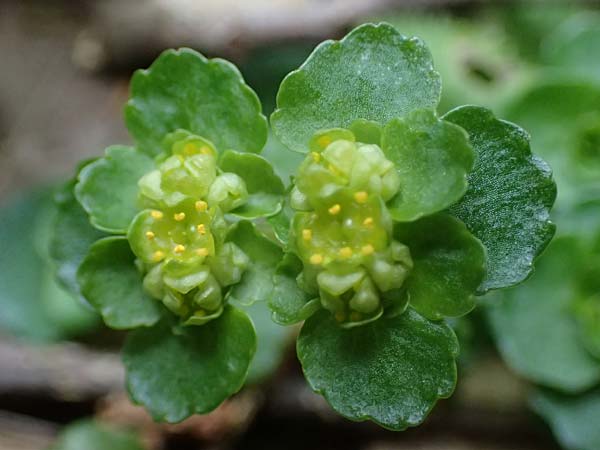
(91, 435)
(34, 306)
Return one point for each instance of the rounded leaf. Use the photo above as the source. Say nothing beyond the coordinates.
(208, 97)
(432, 157)
(373, 73)
(108, 187)
(449, 265)
(91, 435)
(507, 204)
(391, 371)
(111, 282)
(265, 188)
(534, 328)
(257, 281)
(177, 372)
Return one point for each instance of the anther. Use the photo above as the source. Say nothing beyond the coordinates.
(158, 256)
(355, 316)
(150, 235)
(179, 248)
(202, 251)
(201, 206)
(179, 216)
(315, 156)
(361, 197)
(324, 141)
(201, 228)
(346, 252)
(316, 259)
(335, 209)
(157, 214)
(367, 250)
(205, 150)
(307, 234)
(368, 222)
(340, 316)
(189, 149)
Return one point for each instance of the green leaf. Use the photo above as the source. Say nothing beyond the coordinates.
(449, 265)
(509, 198)
(272, 341)
(574, 419)
(391, 371)
(432, 157)
(111, 282)
(71, 237)
(587, 313)
(33, 306)
(208, 97)
(280, 222)
(534, 328)
(177, 372)
(265, 189)
(92, 435)
(257, 282)
(374, 73)
(108, 190)
(288, 302)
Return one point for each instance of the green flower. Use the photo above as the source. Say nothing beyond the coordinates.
(343, 231)
(180, 241)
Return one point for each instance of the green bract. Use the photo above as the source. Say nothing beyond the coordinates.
(399, 218)
(175, 206)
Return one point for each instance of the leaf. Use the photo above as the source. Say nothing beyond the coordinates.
(449, 265)
(71, 237)
(265, 189)
(533, 326)
(587, 314)
(391, 371)
(573, 419)
(111, 282)
(92, 435)
(373, 73)
(256, 283)
(272, 341)
(177, 372)
(288, 302)
(208, 97)
(33, 306)
(432, 157)
(108, 190)
(509, 198)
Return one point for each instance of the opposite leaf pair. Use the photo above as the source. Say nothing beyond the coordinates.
(390, 224)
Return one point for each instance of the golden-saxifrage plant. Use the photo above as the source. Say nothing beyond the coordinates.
(396, 220)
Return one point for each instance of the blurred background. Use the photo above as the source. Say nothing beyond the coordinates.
(529, 372)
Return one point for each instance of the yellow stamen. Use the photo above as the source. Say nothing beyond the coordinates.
(333, 170)
(201, 228)
(179, 248)
(205, 150)
(307, 234)
(200, 313)
(335, 209)
(150, 235)
(315, 156)
(368, 222)
(158, 256)
(340, 316)
(179, 216)
(316, 259)
(361, 197)
(202, 252)
(157, 215)
(201, 206)
(189, 148)
(367, 250)
(346, 252)
(324, 141)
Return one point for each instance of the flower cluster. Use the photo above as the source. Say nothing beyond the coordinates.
(180, 239)
(343, 230)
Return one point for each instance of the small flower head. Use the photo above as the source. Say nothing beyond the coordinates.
(343, 229)
(180, 239)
